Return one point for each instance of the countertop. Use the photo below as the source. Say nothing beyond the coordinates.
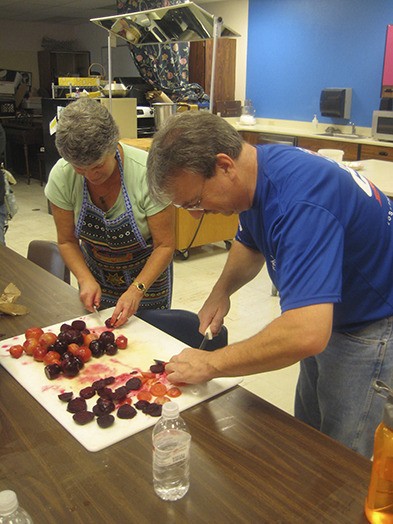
(305, 129)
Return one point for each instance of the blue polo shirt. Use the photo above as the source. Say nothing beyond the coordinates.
(326, 233)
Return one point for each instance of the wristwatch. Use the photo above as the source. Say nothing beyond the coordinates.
(140, 286)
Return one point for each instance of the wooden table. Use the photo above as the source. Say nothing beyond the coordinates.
(380, 172)
(251, 462)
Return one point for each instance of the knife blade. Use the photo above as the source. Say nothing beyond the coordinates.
(208, 336)
(99, 316)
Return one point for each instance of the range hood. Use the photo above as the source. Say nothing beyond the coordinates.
(177, 23)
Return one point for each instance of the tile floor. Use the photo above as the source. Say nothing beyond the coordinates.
(252, 307)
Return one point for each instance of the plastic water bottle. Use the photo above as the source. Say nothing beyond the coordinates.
(315, 123)
(10, 511)
(171, 454)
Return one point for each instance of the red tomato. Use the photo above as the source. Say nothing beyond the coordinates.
(47, 339)
(144, 395)
(16, 351)
(39, 353)
(52, 357)
(84, 353)
(158, 389)
(34, 332)
(121, 342)
(173, 392)
(73, 348)
(29, 345)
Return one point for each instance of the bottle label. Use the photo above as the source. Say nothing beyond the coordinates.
(168, 458)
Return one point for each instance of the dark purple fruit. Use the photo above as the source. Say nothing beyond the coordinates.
(157, 368)
(60, 347)
(87, 392)
(105, 405)
(133, 384)
(97, 349)
(79, 362)
(52, 371)
(108, 323)
(126, 411)
(70, 367)
(119, 393)
(109, 380)
(153, 409)
(65, 337)
(99, 384)
(107, 337)
(79, 325)
(77, 404)
(65, 327)
(111, 349)
(105, 421)
(83, 417)
(105, 393)
(66, 397)
(142, 405)
(75, 336)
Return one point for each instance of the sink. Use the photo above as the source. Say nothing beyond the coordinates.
(352, 136)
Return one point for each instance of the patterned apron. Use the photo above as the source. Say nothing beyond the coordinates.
(115, 252)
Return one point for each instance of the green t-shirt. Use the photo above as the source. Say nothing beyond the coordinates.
(65, 189)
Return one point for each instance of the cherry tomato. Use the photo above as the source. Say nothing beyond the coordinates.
(33, 332)
(16, 351)
(88, 337)
(158, 389)
(121, 342)
(29, 345)
(161, 400)
(144, 395)
(173, 392)
(84, 353)
(47, 339)
(52, 357)
(39, 353)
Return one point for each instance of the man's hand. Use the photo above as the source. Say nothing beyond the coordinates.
(191, 366)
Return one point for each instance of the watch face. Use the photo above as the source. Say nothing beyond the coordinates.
(141, 287)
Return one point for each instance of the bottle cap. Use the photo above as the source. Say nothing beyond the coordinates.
(170, 410)
(8, 502)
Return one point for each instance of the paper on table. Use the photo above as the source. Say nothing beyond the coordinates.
(7, 301)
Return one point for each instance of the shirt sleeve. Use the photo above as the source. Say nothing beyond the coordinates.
(60, 185)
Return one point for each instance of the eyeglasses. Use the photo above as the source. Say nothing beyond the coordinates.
(194, 207)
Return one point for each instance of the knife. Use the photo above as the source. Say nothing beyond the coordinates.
(96, 311)
(208, 336)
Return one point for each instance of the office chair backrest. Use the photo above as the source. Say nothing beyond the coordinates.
(46, 254)
(182, 325)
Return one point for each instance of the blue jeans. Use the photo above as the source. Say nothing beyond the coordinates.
(334, 392)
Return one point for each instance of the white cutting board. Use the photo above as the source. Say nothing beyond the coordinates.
(145, 343)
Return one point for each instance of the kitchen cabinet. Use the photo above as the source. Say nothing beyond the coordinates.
(377, 152)
(212, 228)
(351, 150)
(52, 64)
(250, 136)
(200, 67)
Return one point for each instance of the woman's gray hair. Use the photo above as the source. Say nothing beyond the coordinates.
(86, 132)
(189, 141)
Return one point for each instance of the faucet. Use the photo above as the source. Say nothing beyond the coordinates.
(353, 131)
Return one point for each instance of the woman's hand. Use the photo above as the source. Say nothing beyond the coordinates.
(126, 306)
(90, 293)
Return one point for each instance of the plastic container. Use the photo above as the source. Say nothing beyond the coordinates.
(10, 511)
(171, 454)
(162, 111)
(379, 502)
(315, 123)
(248, 114)
(333, 154)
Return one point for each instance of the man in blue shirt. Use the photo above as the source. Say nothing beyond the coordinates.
(325, 234)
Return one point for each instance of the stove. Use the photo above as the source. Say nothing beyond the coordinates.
(145, 121)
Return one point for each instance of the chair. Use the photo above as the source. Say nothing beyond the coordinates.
(46, 254)
(182, 325)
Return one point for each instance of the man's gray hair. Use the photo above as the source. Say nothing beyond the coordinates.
(189, 141)
(86, 132)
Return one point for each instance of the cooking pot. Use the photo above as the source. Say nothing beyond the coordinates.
(117, 89)
(162, 110)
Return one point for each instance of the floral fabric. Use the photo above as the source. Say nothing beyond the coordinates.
(164, 66)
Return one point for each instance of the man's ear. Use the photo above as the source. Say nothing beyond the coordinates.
(225, 163)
